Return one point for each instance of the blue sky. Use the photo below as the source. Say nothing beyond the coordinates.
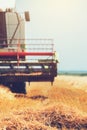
(63, 20)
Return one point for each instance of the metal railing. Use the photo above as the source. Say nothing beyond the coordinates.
(33, 49)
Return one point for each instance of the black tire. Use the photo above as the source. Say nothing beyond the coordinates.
(18, 87)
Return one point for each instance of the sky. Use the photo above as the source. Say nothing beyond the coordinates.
(65, 21)
(6, 3)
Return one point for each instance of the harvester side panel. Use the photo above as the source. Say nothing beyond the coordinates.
(3, 30)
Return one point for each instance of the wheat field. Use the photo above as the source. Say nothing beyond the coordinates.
(62, 106)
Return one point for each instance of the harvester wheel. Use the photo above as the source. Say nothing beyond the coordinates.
(18, 87)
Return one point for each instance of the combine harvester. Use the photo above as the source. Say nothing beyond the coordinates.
(23, 60)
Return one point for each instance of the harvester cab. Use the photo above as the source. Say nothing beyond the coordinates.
(23, 60)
